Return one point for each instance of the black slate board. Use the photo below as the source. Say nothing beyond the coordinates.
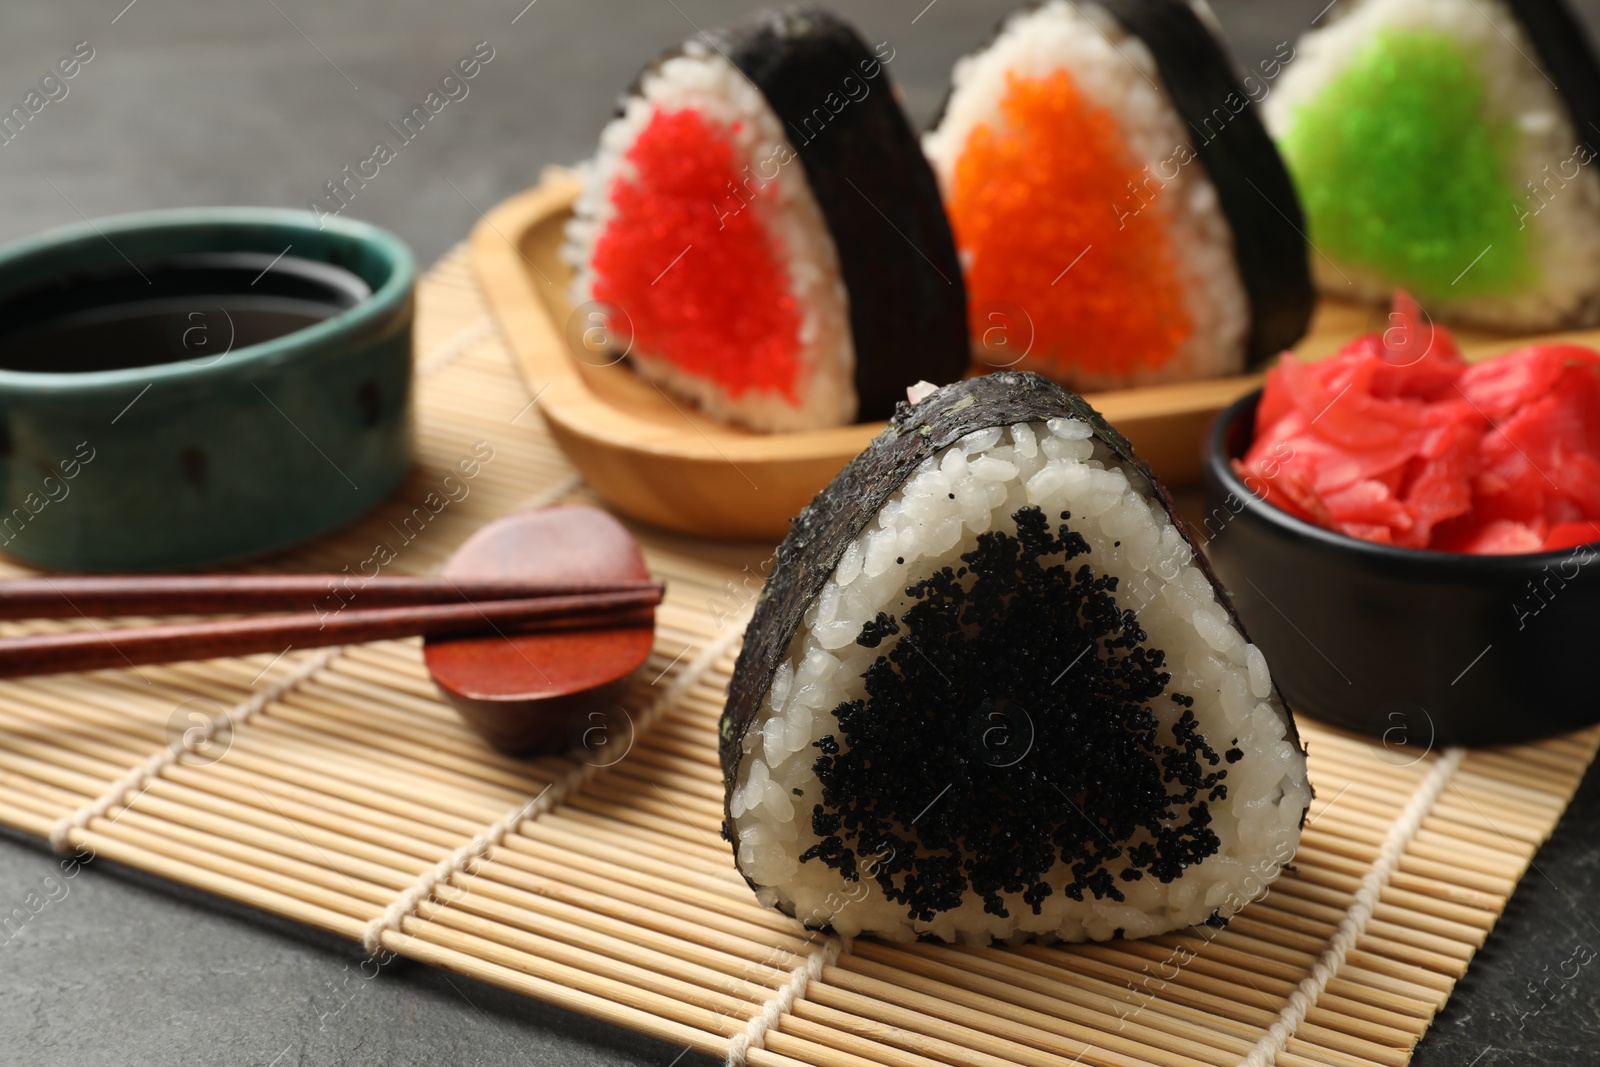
(1532, 994)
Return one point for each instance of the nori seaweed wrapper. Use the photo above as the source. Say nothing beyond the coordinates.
(877, 193)
(1253, 185)
(1568, 60)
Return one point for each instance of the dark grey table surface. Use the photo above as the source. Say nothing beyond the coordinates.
(262, 102)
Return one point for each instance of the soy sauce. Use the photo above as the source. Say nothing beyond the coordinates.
(192, 308)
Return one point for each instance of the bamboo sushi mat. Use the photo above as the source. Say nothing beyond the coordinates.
(346, 796)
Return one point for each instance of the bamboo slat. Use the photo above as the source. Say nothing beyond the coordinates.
(351, 799)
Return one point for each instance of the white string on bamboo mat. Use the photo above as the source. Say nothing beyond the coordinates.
(483, 845)
(1356, 917)
(754, 1035)
(463, 339)
(120, 792)
(548, 495)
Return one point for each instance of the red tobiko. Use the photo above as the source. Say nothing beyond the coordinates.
(1396, 439)
(704, 288)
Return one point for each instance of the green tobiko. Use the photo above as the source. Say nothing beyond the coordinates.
(1403, 171)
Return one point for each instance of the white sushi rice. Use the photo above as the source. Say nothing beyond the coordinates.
(1565, 241)
(1116, 71)
(992, 474)
(703, 81)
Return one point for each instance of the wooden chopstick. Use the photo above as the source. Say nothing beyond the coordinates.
(184, 594)
(126, 646)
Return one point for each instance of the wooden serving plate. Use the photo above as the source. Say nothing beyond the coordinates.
(659, 459)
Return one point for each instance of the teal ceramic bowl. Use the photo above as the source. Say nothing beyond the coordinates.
(223, 446)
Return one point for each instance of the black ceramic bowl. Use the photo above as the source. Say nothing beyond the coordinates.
(1414, 646)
